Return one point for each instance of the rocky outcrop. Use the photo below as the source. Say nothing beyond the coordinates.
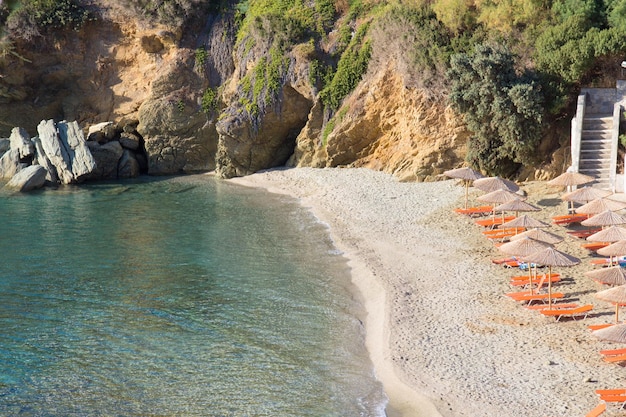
(65, 148)
(61, 153)
(30, 178)
(178, 135)
(244, 149)
(10, 164)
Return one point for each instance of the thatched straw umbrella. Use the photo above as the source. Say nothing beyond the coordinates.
(525, 221)
(570, 179)
(605, 218)
(466, 174)
(614, 275)
(524, 247)
(539, 234)
(585, 195)
(615, 295)
(615, 249)
(610, 234)
(551, 257)
(615, 333)
(599, 205)
(499, 197)
(516, 205)
(490, 184)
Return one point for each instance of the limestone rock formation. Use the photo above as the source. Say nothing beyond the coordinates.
(178, 136)
(64, 146)
(10, 164)
(244, 149)
(20, 142)
(107, 158)
(29, 178)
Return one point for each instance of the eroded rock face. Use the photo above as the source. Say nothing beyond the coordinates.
(385, 126)
(244, 150)
(178, 136)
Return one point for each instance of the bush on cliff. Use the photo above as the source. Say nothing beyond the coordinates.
(503, 109)
(35, 18)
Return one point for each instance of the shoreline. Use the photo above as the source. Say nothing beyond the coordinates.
(404, 400)
(443, 338)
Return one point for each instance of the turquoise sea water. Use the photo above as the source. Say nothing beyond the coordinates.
(175, 297)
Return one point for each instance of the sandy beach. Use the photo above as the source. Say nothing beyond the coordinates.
(443, 338)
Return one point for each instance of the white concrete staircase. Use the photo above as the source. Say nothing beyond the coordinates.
(596, 148)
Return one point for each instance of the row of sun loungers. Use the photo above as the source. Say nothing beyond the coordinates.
(535, 298)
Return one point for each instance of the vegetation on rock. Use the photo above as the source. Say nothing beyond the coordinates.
(511, 69)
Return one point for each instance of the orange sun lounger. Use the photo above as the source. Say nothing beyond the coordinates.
(522, 280)
(475, 211)
(573, 313)
(525, 277)
(593, 327)
(613, 395)
(538, 297)
(554, 306)
(594, 246)
(569, 219)
(610, 352)
(494, 221)
(614, 358)
(597, 410)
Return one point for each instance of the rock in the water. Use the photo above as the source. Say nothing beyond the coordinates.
(29, 178)
(81, 160)
(10, 164)
(65, 148)
(107, 158)
(54, 150)
(20, 141)
(128, 166)
(43, 160)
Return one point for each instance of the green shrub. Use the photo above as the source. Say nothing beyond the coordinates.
(209, 100)
(201, 56)
(34, 18)
(350, 69)
(503, 110)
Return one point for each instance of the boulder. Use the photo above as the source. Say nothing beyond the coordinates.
(102, 132)
(128, 166)
(244, 148)
(178, 137)
(29, 178)
(130, 141)
(42, 159)
(81, 160)
(107, 159)
(65, 147)
(54, 150)
(5, 145)
(10, 164)
(20, 141)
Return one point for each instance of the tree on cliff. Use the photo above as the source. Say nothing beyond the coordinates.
(502, 108)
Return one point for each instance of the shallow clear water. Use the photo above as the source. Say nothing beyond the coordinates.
(175, 297)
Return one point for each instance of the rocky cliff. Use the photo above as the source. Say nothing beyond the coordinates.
(195, 102)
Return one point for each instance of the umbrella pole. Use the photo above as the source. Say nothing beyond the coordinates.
(616, 312)
(530, 278)
(466, 191)
(550, 287)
